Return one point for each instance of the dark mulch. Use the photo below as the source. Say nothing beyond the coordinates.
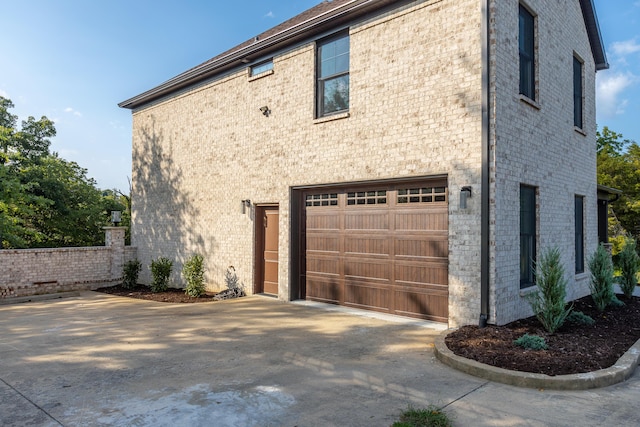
(144, 292)
(573, 349)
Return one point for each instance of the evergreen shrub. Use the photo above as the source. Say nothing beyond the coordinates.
(193, 273)
(629, 262)
(548, 301)
(130, 272)
(601, 284)
(160, 271)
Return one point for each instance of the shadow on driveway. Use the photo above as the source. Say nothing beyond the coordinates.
(102, 360)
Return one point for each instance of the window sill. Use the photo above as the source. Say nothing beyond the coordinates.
(582, 276)
(580, 131)
(261, 75)
(526, 291)
(529, 101)
(331, 118)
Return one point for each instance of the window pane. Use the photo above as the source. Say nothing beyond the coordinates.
(577, 92)
(334, 57)
(526, 42)
(579, 243)
(328, 67)
(336, 94)
(342, 45)
(527, 236)
(261, 68)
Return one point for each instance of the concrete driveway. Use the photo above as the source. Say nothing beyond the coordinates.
(98, 360)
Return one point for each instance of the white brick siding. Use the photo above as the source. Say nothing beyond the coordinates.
(415, 110)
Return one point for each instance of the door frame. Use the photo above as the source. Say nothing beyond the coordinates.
(258, 247)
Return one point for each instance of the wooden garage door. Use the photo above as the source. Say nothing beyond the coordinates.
(382, 248)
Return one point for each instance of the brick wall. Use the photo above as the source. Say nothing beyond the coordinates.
(415, 110)
(537, 145)
(28, 272)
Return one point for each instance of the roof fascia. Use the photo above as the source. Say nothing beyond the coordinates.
(595, 36)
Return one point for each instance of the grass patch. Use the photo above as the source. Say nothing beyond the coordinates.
(431, 416)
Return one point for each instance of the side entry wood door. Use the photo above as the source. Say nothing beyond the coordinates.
(270, 230)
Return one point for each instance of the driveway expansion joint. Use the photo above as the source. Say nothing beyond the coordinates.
(31, 402)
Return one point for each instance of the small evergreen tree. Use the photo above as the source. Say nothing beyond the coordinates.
(629, 262)
(601, 284)
(548, 302)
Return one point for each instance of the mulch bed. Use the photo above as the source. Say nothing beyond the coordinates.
(144, 292)
(573, 349)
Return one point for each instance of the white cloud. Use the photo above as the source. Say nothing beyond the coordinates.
(4, 94)
(72, 111)
(270, 15)
(626, 47)
(609, 92)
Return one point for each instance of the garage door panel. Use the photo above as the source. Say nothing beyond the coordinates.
(383, 248)
(366, 220)
(435, 220)
(367, 295)
(322, 220)
(430, 272)
(372, 245)
(322, 242)
(425, 306)
(323, 265)
(422, 247)
(359, 268)
(324, 289)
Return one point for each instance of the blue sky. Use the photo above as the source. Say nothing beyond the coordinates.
(74, 61)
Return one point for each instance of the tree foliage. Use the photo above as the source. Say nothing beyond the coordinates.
(619, 167)
(46, 201)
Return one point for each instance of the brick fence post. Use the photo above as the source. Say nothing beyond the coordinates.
(114, 240)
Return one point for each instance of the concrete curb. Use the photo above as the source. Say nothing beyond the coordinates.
(617, 373)
(43, 297)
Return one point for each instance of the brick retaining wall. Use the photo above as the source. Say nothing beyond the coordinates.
(25, 272)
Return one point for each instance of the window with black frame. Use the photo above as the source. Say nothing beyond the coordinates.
(579, 243)
(527, 236)
(333, 75)
(527, 46)
(577, 92)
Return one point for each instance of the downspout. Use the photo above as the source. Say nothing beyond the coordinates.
(486, 133)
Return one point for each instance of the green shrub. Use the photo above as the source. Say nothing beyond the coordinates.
(601, 284)
(628, 261)
(548, 302)
(130, 272)
(193, 273)
(580, 318)
(531, 342)
(161, 271)
(432, 416)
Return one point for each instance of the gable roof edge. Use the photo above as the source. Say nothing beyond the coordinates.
(595, 36)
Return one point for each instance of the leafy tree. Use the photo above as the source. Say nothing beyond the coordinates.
(45, 201)
(619, 167)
